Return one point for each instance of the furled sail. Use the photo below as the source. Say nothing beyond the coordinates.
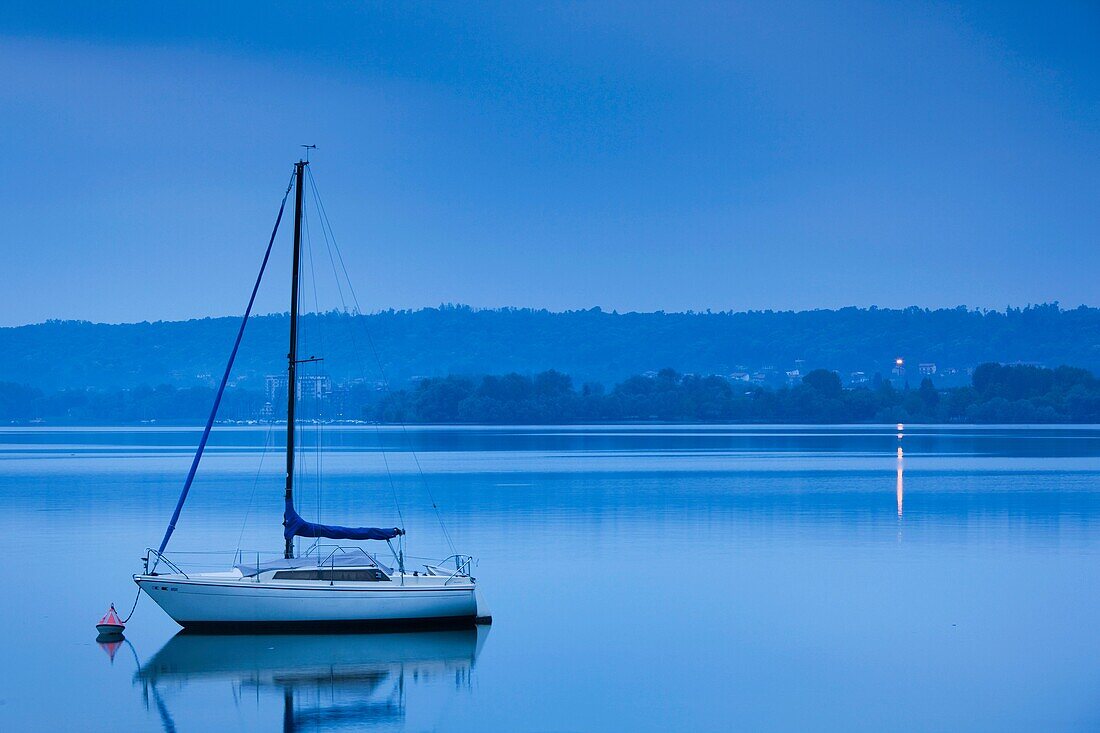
(221, 387)
(294, 525)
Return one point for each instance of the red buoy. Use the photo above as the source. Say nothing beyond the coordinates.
(110, 623)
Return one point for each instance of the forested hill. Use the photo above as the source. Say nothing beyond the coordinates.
(591, 345)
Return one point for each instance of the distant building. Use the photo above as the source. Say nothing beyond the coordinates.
(313, 386)
(276, 385)
(857, 378)
(927, 369)
(739, 377)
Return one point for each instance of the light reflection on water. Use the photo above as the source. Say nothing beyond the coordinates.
(649, 578)
(901, 485)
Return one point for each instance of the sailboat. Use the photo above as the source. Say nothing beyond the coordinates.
(330, 586)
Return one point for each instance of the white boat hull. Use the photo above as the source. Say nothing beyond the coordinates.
(243, 604)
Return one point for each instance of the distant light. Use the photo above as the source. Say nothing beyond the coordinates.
(899, 361)
(899, 452)
(900, 427)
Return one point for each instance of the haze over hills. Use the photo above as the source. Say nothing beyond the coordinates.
(591, 345)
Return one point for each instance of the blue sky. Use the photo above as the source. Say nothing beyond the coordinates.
(631, 156)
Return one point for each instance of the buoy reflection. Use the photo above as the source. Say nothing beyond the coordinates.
(110, 643)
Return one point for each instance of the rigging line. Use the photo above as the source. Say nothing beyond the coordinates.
(256, 481)
(319, 426)
(221, 388)
(326, 235)
(326, 230)
(302, 384)
(307, 376)
(393, 488)
(385, 384)
(330, 241)
(374, 350)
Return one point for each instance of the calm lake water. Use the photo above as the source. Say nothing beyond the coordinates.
(647, 578)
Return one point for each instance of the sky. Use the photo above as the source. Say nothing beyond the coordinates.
(632, 156)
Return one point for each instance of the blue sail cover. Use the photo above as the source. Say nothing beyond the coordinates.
(293, 524)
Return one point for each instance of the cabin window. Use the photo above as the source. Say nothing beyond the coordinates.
(357, 574)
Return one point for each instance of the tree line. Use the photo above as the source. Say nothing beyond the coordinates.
(997, 394)
(590, 345)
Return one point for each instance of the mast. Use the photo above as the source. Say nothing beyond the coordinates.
(292, 356)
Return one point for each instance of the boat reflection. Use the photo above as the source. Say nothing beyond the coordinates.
(325, 682)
